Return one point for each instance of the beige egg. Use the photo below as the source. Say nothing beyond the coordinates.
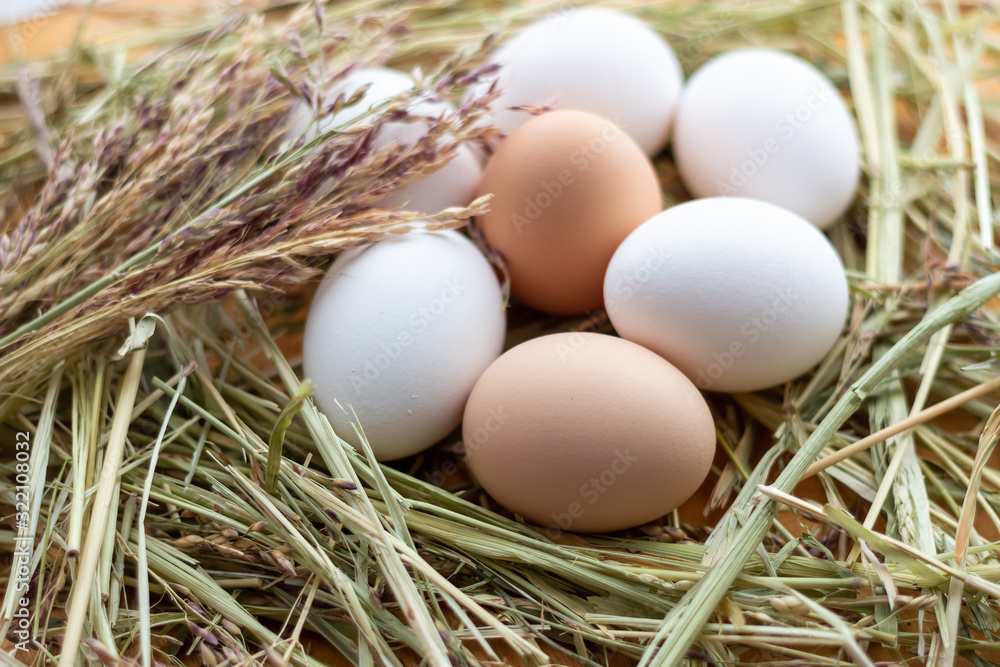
(568, 187)
(587, 433)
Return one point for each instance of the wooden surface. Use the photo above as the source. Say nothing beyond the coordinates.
(119, 22)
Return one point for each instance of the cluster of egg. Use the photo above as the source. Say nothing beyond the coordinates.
(734, 291)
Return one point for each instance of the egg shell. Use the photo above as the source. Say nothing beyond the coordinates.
(591, 59)
(398, 333)
(454, 184)
(568, 187)
(383, 85)
(587, 433)
(737, 293)
(765, 124)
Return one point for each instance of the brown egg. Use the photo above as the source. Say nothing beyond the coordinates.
(569, 186)
(587, 433)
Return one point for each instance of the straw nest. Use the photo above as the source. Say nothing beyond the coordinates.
(157, 252)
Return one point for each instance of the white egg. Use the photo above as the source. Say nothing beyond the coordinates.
(383, 85)
(597, 60)
(767, 125)
(454, 184)
(737, 293)
(398, 333)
